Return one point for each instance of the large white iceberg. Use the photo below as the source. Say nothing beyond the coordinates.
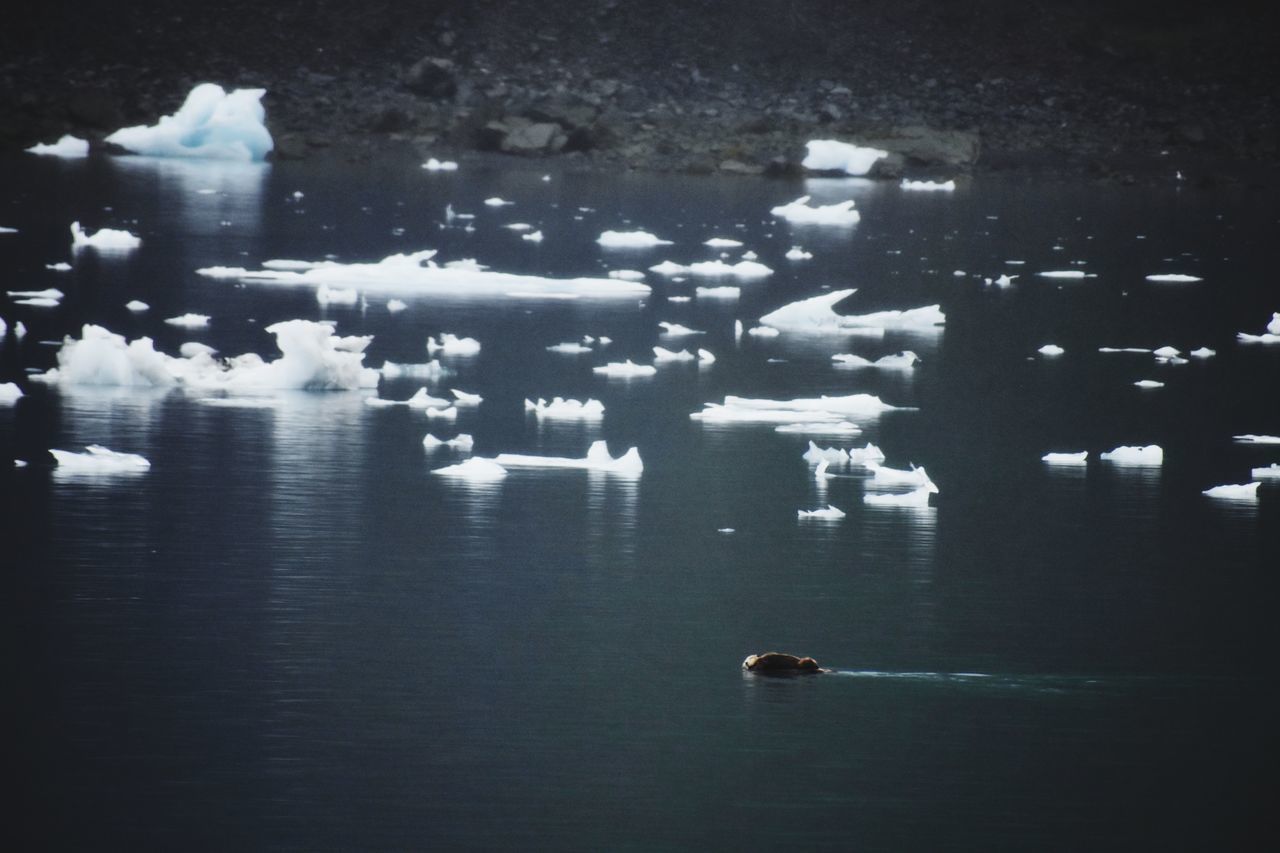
(1241, 492)
(99, 460)
(816, 314)
(831, 155)
(211, 124)
(630, 240)
(1151, 454)
(597, 459)
(406, 274)
(799, 212)
(561, 409)
(68, 146)
(742, 269)
(107, 239)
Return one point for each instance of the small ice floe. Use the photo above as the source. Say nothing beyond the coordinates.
(706, 357)
(722, 243)
(1081, 458)
(1002, 280)
(10, 393)
(627, 275)
(1071, 274)
(630, 240)
(742, 269)
(1051, 350)
(816, 314)
(799, 212)
(137, 306)
(495, 201)
(6, 230)
(1124, 349)
(820, 473)
(677, 330)
(99, 460)
(928, 186)
(918, 498)
(395, 306)
(1166, 352)
(750, 256)
(1173, 277)
(892, 478)
(1266, 338)
(60, 266)
(815, 409)
(431, 371)
(106, 239)
(1271, 472)
(326, 295)
(679, 299)
(195, 349)
(1149, 383)
(519, 226)
(1241, 492)
(447, 414)
(434, 165)
(1273, 325)
(50, 295)
(566, 410)
(420, 400)
(900, 361)
(533, 237)
(725, 530)
(19, 463)
(625, 370)
(476, 469)
(795, 253)
(1202, 352)
(210, 124)
(1151, 454)
(1250, 438)
(452, 345)
(763, 332)
(19, 330)
(189, 321)
(727, 291)
(464, 398)
(829, 455)
(831, 155)
(821, 428)
(569, 348)
(461, 442)
(68, 146)
(628, 464)
(827, 513)
(666, 356)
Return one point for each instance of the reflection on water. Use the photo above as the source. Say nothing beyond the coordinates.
(206, 197)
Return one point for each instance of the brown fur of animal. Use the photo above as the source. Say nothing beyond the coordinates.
(779, 662)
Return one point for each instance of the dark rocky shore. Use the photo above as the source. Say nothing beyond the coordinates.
(1124, 91)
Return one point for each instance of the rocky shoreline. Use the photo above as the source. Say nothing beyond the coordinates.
(1104, 93)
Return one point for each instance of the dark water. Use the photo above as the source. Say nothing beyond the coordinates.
(289, 635)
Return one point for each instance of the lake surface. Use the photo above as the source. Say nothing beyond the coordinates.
(288, 634)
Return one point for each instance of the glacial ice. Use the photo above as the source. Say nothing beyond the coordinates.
(829, 455)
(464, 398)
(827, 513)
(1173, 277)
(1250, 438)
(192, 349)
(452, 345)
(431, 371)
(918, 498)
(763, 332)
(1081, 458)
(476, 470)
(802, 410)
(189, 321)
(627, 275)
(1124, 349)
(831, 155)
(99, 460)
(68, 146)
(1051, 349)
(448, 414)
(666, 356)
(1241, 492)
(4, 229)
(9, 392)
(799, 212)
(1151, 454)
(210, 124)
(1273, 326)
(1271, 472)
(722, 243)
(420, 400)
(106, 239)
(630, 240)
(1062, 274)
(1149, 383)
(597, 459)
(569, 348)
(561, 409)
(816, 314)
(795, 253)
(888, 478)
(326, 295)
(706, 357)
(928, 186)
(727, 291)
(38, 302)
(395, 306)
(742, 269)
(495, 201)
(434, 165)
(1266, 338)
(625, 370)
(532, 237)
(1166, 352)
(405, 274)
(462, 442)
(48, 293)
(60, 266)
(677, 330)
(1203, 352)
(1004, 280)
(899, 361)
(820, 428)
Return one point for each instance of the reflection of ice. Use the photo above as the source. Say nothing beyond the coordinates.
(235, 197)
(611, 517)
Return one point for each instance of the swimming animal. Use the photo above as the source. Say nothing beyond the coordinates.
(778, 663)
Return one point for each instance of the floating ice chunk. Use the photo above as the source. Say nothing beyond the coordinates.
(462, 442)
(677, 330)
(569, 348)
(431, 371)
(561, 409)
(1203, 352)
(395, 306)
(495, 201)
(19, 330)
(38, 302)
(828, 513)
(447, 414)
(1051, 350)
(434, 165)
(900, 361)
(326, 295)
(1250, 438)
(1166, 352)
(1242, 492)
(795, 253)
(820, 473)
(627, 275)
(189, 321)
(625, 370)
(1062, 274)
(535, 237)
(928, 186)
(706, 357)
(68, 146)
(723, 292)
(742, 269)
(1273, 326)
(821, 428)
(6, 230)
(60, 266)
(1149, 383)
(1004, 280)
(831, 155)
(48, 293)
(866, 456)
(1123, 349)
(763, 332)
(193, 349)
(210, 124)
(666, 356)
(1173, 277)
(99, 460)
(630, 240)
(519, 226)
(1267, 338)
(798, 212)
(452, 345)
(476, 469)
(107, 239)
(628, 464)
(722, 243)
(679, 298)
(750, 256)
(463, 398)
(828, 455)
(917, 498)
(422, 399)
(4, 328)
(882, 477)
(816, 314)
(10, 393)
(811, 410)
(1081, 458)
(1271, 472)
(1151, 454)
